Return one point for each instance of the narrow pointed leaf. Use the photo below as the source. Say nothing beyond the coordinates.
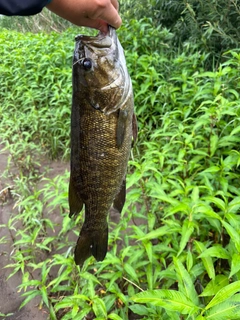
(169, 299)
(216, 251)
(233, 234)
(140, 309)
(186, 282)
(156, 233)
(114, 316)
(189, 261)
(235, 264)
(234, 205)
(218, 202)
(131, 271)
(224, 293)
(212, 169)
(99, 308)
(215, 285)
(187, 230)
(229, 309)
(207, 261)
(30, 296)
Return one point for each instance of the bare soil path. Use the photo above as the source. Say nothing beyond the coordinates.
(10, 298)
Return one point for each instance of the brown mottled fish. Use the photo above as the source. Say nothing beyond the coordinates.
(103, 125)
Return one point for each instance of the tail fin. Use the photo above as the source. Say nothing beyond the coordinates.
(91, 243)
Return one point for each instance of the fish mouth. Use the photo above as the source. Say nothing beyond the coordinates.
(102, 40)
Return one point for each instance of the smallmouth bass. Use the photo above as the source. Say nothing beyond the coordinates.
(103, 125)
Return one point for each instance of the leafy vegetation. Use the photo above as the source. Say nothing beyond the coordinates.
(210, 26)
(44, 21)
(181, 261)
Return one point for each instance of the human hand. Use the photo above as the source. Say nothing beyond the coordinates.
(96, 14)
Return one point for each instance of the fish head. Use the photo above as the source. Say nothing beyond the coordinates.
(100, 69)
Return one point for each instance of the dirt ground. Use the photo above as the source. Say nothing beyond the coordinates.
(10, 298)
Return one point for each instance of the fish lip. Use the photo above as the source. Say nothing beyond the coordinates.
(101, 40)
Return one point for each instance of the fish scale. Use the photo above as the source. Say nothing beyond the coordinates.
(101, 137)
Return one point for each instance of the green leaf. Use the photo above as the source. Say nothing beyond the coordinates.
(44, 295)
(68, 302)
(114, 277)
(114, 316)
(185, 283)
(233, 234)
(218, 202)
(140, 309)
(187, 230)
(212, 169)
(233, 220)
(195, 195)
(208, 212)
(149, 249)
(215, 285)
(216, 251)
(207, 261)
(149, 274)
(99, 307)
(162, 231)
(235, 264)
(52, 313)
(224, 293)
(229, 309)
(81, 315)
(169, 299)
(6, 315)
(189, 261)
(213, 144)
(30, 295)
(166, 199)
(131, 271)
(234, 205)
(235, 131)
(75, 309)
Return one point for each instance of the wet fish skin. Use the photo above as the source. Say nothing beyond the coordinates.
(102, 123)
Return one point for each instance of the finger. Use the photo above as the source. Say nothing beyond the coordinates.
(111, 16)
(115, 4)
(94, 23)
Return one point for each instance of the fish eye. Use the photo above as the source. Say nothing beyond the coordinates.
(87, 64)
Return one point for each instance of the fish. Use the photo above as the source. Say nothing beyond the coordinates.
(103, 128)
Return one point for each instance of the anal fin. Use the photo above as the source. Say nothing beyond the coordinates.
(120, 198)
(75, 202)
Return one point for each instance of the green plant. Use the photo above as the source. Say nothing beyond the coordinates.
(209, 27)
(174, 251)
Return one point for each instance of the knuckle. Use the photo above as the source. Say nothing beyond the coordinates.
(101, 4)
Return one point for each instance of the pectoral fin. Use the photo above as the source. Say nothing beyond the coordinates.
(121, 127)
(134, 128)
(120, 198)
(75, 202)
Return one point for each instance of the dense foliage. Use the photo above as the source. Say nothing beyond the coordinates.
(44, 21)
(182, 260)
(211, 26)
